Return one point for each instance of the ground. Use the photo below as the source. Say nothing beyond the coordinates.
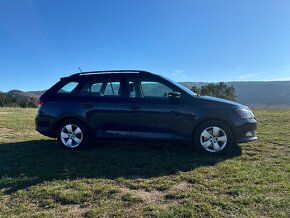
(142, 179)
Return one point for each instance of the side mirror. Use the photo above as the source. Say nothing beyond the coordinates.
(174, 96)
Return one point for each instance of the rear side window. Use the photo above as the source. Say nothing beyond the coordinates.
(109, 88)
(68, 88)
(112, 88)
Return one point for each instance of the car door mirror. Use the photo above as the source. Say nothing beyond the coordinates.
(174, 96)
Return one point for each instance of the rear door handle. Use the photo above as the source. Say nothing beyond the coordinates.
(133, 107)
(87, 106)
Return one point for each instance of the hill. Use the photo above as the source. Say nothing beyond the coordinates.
(17, 100)
(31, 94)
(258, 94)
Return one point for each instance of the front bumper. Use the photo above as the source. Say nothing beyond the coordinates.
(247, 139)
(247, 132)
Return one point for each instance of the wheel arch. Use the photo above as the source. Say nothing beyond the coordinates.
(224, 121)
(70, 117)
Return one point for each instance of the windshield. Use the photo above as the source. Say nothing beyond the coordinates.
(187, 90)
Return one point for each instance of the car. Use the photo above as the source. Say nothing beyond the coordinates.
(137, 104)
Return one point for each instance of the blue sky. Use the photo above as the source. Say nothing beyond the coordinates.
(41, 41)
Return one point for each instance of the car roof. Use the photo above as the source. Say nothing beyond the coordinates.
(102, 72)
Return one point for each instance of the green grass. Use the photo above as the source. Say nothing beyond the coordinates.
(134, 179)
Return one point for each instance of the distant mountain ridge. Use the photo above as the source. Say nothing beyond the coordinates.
(253, 94)
(258, 94)
(31, 94)
(18, 99)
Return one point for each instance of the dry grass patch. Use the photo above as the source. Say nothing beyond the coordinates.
(6, 133)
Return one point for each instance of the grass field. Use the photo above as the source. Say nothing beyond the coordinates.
(131, 179)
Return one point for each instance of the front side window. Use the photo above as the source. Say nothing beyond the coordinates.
(148, 89)
(154, 89)
(68, 88)
(110, 87)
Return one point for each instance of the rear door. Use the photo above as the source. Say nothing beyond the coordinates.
(102, 103)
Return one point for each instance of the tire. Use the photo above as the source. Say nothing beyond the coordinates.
(213, 137)
(72, 135)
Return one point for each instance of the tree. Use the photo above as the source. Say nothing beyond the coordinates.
(8, 100)
(195, 89)
(2, 98)
(220, 90)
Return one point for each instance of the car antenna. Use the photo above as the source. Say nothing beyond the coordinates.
(80, 69)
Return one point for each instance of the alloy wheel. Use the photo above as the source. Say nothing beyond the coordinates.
(71, 135)
(213, 139)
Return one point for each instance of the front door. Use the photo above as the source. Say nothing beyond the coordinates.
(150, 113)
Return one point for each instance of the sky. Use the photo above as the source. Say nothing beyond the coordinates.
(184, 40)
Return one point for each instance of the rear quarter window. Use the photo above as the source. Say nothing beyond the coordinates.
(68, 88)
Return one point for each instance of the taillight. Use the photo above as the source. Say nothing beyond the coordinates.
(40, 104)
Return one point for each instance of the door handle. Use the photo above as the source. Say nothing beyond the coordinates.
(133, 107)
(87, 106)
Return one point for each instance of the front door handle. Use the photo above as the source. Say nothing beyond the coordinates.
(87, 106)
(133, 107)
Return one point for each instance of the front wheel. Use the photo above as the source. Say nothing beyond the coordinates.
(72, 135)
(213, 137)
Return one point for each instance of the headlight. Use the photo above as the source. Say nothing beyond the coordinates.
(246, 113)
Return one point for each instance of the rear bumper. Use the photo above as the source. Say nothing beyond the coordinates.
(46, 133)
(44, 126)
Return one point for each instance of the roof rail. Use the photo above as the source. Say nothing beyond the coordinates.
(109, 71)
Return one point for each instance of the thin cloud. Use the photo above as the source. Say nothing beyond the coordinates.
(249, 76)
(281, 79)
(179, 75)
(106, 47)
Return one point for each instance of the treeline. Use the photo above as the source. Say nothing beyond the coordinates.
(220, 90)
(9, 100)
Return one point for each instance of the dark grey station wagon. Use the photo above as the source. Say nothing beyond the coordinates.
(139, 104)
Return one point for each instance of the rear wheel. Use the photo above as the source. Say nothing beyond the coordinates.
(72, 135)
(213, 137)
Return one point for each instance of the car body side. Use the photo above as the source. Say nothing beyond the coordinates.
(125, 117)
